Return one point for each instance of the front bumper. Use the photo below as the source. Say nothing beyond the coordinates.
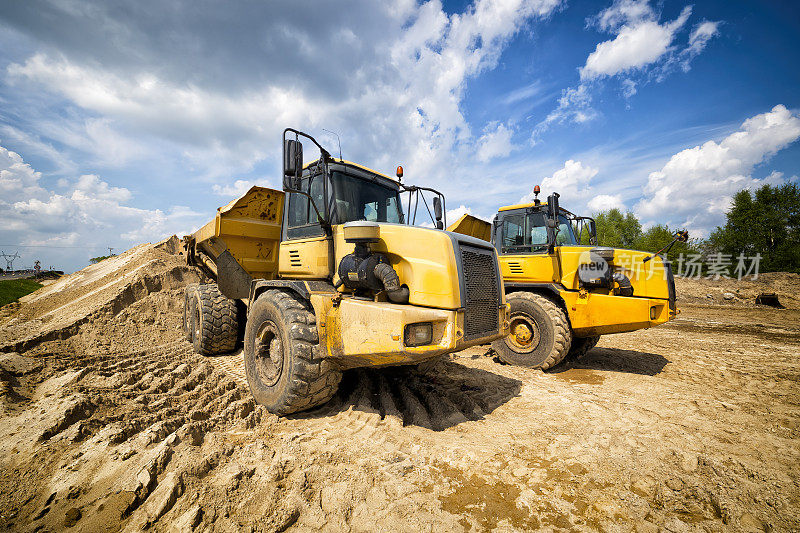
(360, 333)
(601, 314)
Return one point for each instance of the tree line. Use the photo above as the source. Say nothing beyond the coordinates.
(765, 222)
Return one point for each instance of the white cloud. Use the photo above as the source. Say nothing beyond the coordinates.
(575, 105)
(237, 188)
(17, 179)
(642, 46)
(639, 41)
(634, 47)
(695, 187)
(494, 143)
(698, 40)
(572, 182)
(623, 12)
(412, 59)
(604, 202)
(90, 215)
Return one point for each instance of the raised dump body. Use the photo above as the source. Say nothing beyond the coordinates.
(249, 229)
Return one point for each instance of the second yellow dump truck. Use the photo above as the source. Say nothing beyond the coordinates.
(329, 274)
(565, 295)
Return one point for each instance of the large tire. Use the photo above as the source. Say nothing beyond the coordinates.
(188, 312)
(284, 368)
(540, 332)
(214, 320)
(581, 346)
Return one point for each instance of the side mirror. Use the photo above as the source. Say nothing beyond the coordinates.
(552, 206)
(552, 221)
(292, 161)
(437, 211)
(592, 231)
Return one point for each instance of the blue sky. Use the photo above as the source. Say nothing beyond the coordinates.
(127, 122)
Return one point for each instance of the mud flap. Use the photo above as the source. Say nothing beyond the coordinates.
(234, 282)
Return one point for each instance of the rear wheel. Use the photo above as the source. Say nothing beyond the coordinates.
(540, 334)
(581, 346)
(214, 321)
(284, 369)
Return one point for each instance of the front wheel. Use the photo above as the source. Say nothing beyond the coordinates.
(284, 370)
(540, 335)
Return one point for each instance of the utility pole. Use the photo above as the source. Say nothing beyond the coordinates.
(110, 251)
(9, 260)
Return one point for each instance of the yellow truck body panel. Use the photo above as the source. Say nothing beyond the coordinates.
(250, 228)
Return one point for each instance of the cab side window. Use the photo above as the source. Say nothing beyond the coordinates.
(302, 219)
(513, 231)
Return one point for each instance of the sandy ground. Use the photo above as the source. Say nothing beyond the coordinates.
(109, 422)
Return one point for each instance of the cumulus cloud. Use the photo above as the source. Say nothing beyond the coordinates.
(695, 187)
(17, 179)
(223, 108)
(635, 46)
(495, 142)
(641, 46)
(604, 202)
(237, 188)
(573, 183)
(89, 216)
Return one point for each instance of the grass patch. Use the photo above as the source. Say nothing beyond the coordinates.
(12, 290)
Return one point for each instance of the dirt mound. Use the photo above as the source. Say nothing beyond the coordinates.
(95, 295)
(704, 291)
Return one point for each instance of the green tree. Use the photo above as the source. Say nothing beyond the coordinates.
(95, 260)
(766, 222)
(658, 236)
(617, 230)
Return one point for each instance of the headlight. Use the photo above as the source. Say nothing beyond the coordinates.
(419, 334)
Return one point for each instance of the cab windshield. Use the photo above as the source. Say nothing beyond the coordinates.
(527, 232)
(361, 199)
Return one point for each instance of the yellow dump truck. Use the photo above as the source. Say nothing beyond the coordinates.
(331, 274)
(564, 295)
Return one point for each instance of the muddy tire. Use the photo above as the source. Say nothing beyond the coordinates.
(214, 321)
(283, 366)
(540, 333)
(188, 298)
(581, 346)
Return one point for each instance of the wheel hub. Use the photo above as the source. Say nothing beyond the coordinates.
(525, 334)
(269, 354)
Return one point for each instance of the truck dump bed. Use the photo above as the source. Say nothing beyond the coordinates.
(472, 226)
(249, 228)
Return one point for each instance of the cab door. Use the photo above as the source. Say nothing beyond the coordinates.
(306, 252)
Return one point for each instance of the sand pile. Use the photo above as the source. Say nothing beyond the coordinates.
(95, 295)
(740, 292)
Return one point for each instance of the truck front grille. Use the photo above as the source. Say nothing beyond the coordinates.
(481, 292)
